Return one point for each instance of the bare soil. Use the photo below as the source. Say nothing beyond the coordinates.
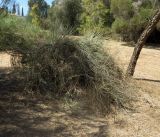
(22, 116)
(148, 63)
(145, 121)
(5, 60)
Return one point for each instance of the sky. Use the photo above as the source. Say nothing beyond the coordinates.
(24, 4)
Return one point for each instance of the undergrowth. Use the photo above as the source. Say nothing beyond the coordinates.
(18, 34)
(78, 69)
(55, 64)
(18, 37)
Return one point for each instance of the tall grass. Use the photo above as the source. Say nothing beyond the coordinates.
(76, 68)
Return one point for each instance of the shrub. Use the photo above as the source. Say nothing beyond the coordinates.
(69, 67)
(95, 16)
(138, 23)
(120, 26)
(130, 30)
(122, 8)
(10, 39)
(147, 4)
(67, 13)
(21, 27)
(18, 37)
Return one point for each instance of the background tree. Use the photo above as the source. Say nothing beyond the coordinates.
(72, 10)
(4, 9)
(95, 15)
(22, 12)
(122, 8)
(131, 17)
(14, 8)
(66, 12)
(141, 41)
(4, 2)
(37, 11)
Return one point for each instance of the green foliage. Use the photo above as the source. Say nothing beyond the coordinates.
(18, 34)
(94, 15)
(147, 4)
(130, 27)
(145, 14)
(122, 8)
(11, 41)
(4, 9)
(14, 9)
(72, 9)
(67, 13)
(22, 12)
(38, 11)
(119, 25)
(138, 23)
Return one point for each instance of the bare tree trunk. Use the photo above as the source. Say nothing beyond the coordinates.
(141, 41)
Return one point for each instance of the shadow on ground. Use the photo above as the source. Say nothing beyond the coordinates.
(23, 116)
(40, 118)
(8, 80)
(147, 45)
(150, 80)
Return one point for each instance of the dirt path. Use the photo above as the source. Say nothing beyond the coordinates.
(32, 117)
(145, 122)
(148, 66)
(24, 117)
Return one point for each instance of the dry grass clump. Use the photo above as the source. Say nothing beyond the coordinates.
(78, 68)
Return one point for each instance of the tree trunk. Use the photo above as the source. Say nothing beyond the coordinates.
(141, 41)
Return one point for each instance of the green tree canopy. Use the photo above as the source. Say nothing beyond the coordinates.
(66, 12)
(95, 13)
(37, 11)
(122, 8)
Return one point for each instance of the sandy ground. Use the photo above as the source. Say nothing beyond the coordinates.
(29, 117)
(145, 121)
(148, 64)
(5, 60)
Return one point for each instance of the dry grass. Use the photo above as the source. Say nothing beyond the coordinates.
(27, 117)
(36, 117)
(69, 68)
